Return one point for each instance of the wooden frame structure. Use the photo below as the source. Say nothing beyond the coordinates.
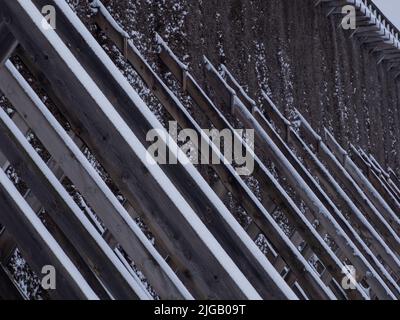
(373, 30)
(341, 212)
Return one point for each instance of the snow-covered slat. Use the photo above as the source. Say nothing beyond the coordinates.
(376, 178)
(200, 196)
(236, 249)
(8, 243)
(65, 212)
(357, 195)
(220, 122)
(126, 159)
(314, 186)
(267, 182)
(363, 182)
(263, 140)
(93, 188)
(176, 109)
(38, 246)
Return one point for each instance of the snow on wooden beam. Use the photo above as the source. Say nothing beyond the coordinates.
(262, 281)
(126, 160)
(261, 173)
(297, 182)
(168, 99)
(37, 245)
(66, 213)
(8, 244)
(336, 214)
(299, 185)
(92, 187)
(392, 219)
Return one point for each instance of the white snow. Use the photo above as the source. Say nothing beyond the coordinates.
(96, 5)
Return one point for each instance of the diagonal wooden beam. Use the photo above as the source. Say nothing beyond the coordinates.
(83, 175)
(37, 245)
(144, 183)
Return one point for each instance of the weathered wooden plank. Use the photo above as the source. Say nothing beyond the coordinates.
(264, 142)
(178, 112)
(65, 213)
(267, 183)
(77, 168)
(144, 185)
(8, 244)
(37, 245)
(385, 210)
(357, 195)
(203, 205)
